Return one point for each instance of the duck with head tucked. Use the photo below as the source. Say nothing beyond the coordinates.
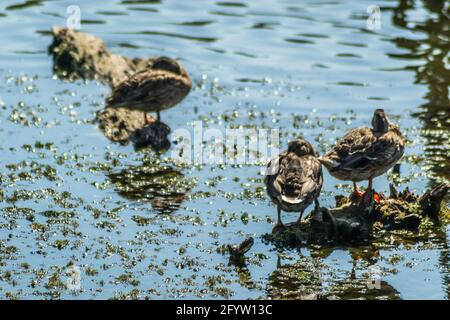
(160, 86)
(294, 179)
(365, 153)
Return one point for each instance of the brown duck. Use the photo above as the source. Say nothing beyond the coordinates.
(295, 179)
(365, 153)
(161, 86)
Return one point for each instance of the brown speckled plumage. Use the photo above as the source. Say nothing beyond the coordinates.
(295, 178)
(365, 153)
(161, 86)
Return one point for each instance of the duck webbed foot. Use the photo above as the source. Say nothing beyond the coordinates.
(356, 194)
(376, 196)
(148, 119)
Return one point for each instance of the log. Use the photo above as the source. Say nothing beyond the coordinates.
(118, 124)
(78, 55)
(355, 221)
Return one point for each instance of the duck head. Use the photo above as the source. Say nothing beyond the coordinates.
(167, 64)
(301, 147)
(380, 121)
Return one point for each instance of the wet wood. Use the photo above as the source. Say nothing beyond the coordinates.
(118, 124)
(354, 221)
(78, 55)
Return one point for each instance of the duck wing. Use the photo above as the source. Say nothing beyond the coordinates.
(148, 88)
(273, 173)
(355, 142)
(130, 89)
(360, 148)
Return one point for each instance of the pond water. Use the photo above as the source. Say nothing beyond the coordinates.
(137, 225)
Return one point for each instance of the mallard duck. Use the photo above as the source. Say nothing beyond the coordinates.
(161, 86)
(294, 179)
(365, 153)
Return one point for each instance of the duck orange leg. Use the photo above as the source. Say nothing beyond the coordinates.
(376, 196)
(148, 119)
(356, 190)
(369, 186)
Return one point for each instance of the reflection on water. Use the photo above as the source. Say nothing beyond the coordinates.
(300, 280)
(163, 186)
(431, 62)
(308, 278)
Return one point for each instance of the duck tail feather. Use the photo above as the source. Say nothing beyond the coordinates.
(291, 200)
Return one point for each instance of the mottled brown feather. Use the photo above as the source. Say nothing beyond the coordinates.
(296, 178)
(151, 90)
(362, 153)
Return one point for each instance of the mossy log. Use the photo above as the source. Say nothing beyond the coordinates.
(356, 220)
(118, 124)
(78, 55)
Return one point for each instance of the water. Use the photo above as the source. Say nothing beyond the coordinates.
(136, 225)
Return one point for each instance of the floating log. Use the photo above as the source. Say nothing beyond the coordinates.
(78, 55)
(119, 124)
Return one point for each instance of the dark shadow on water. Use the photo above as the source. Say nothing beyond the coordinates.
(24, 5)
(140, 1)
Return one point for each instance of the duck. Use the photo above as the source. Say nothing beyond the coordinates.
(162, 85)
(294, 179)
(365, 153)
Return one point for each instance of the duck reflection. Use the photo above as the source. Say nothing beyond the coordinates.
(300, 280)
(164, 187)
(305, 279)
(430, 56)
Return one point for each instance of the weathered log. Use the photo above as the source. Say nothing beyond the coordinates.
(117, 124)
(349, 221)
(78, 55)
(355, 221)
